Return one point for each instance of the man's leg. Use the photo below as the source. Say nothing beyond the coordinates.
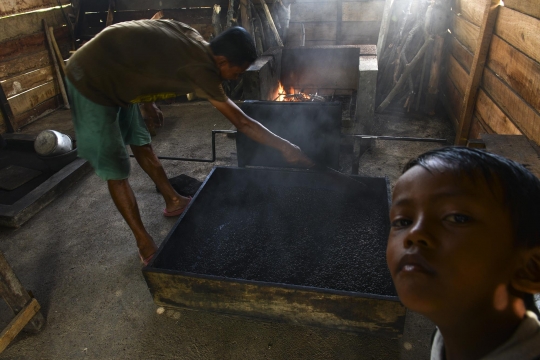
(125, 202)
(149, 162)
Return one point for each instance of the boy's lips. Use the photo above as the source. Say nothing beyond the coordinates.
(414, 263)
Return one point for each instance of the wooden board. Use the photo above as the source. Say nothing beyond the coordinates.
(306, 12)
(458, 75)
(521, 114)
(188, 16)
(517, 70)
(493, 116)
(359, 33)
(520, 30)
(478, 128)
(9, 7)
(37, 111)
(471, 10)
(26, 45)
(462, 55)
(26, 101)
(362, 11)
(315, 31)
(27, 81)
(455, 99)
(466, 32)
(529, 7)
(27, 24)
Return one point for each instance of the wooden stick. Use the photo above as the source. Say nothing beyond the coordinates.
(230, 14)
(271, 23)
(408, 69)
(246, 16)
(17, 324)
(215, 20)
(57, 51)
(56, 67)
(491, 9)
(110, 13)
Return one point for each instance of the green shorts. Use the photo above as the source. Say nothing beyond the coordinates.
(104, 131)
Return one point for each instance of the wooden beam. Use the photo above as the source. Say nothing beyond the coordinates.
(491, 10)
(271, 23)
(18, 323)
(59, 77)
(245, 13)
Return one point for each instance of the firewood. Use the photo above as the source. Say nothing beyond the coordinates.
(271, 23)
(230, 14)
(215, 20)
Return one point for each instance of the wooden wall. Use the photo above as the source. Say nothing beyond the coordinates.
(508, 100)
(26, 73)
(335, 22)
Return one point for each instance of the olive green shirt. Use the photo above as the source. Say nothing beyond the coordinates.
(144, 61)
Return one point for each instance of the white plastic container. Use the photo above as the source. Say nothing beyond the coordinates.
(51, 142)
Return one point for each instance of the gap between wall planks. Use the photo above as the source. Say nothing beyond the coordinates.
(491, 10)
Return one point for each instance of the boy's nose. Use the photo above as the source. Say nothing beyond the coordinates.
(419, 235)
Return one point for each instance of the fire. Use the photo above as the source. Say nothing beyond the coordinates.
(282, 95)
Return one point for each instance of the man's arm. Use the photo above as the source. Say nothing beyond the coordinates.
(256, 131)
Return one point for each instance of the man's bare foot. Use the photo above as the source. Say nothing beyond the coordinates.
(177, 204)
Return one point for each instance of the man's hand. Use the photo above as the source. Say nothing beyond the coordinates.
(293, 155)
(152, 115)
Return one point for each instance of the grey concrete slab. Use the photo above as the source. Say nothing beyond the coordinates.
(79, 259)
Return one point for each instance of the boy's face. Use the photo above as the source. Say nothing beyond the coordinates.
(450, 244)
(231, 72)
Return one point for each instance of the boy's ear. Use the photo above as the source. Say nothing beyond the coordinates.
(527, 278)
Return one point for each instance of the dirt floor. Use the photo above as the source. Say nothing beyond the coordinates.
(79, 259)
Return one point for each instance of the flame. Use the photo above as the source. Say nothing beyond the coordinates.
(283, 95)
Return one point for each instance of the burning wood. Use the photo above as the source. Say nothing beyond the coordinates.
(298, 97)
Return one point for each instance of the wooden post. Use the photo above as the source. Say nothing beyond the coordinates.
(110, 13)
(230, 14)
(491, 9)
(245, 12)
(271, 23)
(55, 62)
(215, 20)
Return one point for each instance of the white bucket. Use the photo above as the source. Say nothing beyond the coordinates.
(51, 142)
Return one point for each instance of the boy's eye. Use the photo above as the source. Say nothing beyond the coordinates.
(401, 223)
(458, 218)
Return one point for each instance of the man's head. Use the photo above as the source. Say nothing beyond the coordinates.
(234, 51)
(464, 232)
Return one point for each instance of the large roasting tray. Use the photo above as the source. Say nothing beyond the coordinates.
(285, 245)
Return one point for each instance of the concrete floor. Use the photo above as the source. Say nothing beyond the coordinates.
(79, 259)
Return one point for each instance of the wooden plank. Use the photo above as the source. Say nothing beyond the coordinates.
(491, 8)
(187, 16)
(307, 12)
(463, 56)
(359, 33)
(517, 70)
(455, 100)
(315, 31)
(18, 323)
(38, 111)
(126, 5)
(458, 75)
(493, 116)
(529, 7)
(10, 7)
(466, 32)
(471, 10)
(26, 101)
(520, 30)
(517, 110)
(363, 11)
(30, 44)
(28, 24)
(27, 63)
(24, 82)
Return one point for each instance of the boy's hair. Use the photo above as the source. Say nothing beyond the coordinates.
(520, 188)
(236, 44)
